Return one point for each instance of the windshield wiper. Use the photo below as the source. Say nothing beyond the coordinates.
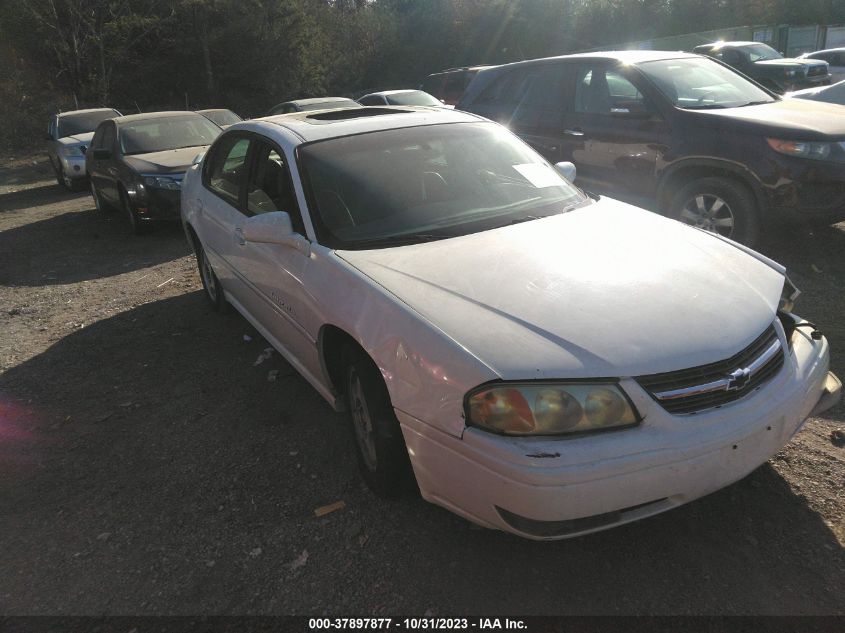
(753, 103)
(403, 239)
(709, 106)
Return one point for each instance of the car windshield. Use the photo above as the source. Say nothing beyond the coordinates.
(760, 52)
(412, 98)
(222, 117)
(72, 124)
(696, 83)
(329, 105)
(160, 134)
(418, 184)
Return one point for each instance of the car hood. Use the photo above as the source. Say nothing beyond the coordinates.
(77, 139)
(791, 118)
(608, 290)
(171, 161)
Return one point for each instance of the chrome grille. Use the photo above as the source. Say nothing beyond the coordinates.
(714, 385)
(816, 70)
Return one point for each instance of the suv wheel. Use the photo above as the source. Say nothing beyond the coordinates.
(719, 205)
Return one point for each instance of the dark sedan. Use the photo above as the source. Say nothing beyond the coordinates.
(136, 163)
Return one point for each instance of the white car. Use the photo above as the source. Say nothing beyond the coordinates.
(828, 94)
(69, 135)
(548, 364)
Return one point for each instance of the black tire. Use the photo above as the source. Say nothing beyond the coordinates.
(720, 205)
(67, 182)
(101, 205)
(213, 291)
(135, 223)
(379, 445)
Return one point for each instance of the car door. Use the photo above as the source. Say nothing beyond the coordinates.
(220, 208)
(612, 131)
(537, 115)
(276, 275)
(102, 166)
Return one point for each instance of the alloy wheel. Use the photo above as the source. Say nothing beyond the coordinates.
(362, 421)
(709, 212)
(208, 278)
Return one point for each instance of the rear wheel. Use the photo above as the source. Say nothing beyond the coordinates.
(379, 445)
(210, 282)
(719, 205)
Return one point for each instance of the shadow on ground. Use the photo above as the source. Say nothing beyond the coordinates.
(150, 467)
(82, 245)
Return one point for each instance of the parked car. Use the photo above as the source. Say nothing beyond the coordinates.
(318, 103)
(137, 163)
(828, 94)
(68, 137)
(543, 363)
(680, 133)
(835, 57)
(449, 85)
(401, 98)
(221, 117)
(768, 67)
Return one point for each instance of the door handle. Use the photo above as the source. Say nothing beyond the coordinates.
(239, 236)
(574, 132)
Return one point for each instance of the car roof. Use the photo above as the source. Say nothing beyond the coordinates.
(827, 50)
(384, 93)
(628, 57)
(301, 102)
(723, 44)
(131, 118)
(319, 125)
(213, 110)
(461, 69)
(88, 111)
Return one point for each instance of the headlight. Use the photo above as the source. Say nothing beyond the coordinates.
(161, 182)
(788, 296)
(802, 149)
(72, 150)
(549, 408)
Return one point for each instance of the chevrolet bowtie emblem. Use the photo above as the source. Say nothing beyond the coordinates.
(738, 379)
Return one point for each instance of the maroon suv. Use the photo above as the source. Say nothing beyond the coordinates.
(677, 132)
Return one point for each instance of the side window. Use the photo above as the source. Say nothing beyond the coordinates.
(269, 186)
(541, 98)
(97, 140)
(371, 101)
(499, 100)
(108, 137)
(600, 90)
(837, 59)
(226, 167)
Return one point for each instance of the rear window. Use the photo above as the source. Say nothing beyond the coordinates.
(72, 124)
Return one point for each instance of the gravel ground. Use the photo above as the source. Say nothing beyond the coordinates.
(148, 466)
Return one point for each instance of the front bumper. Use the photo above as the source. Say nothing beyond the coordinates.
(152, 204)
(73, 166)
(543, 488)
(805, 190)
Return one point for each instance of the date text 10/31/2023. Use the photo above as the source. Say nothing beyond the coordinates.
(417, 624)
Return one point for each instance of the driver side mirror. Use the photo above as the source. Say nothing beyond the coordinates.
(274, 227)
(567, 170)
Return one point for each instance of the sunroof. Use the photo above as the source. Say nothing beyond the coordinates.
(353, 113)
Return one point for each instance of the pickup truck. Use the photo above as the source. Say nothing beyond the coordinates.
(768, 67)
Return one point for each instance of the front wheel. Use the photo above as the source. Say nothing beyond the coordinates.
(379, 445)
(719, 205)
(131, 215)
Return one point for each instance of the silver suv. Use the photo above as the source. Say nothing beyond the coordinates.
(68, 136)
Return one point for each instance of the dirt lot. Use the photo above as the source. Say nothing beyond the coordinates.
(147, 466)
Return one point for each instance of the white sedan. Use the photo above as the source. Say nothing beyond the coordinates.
(541, 361)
